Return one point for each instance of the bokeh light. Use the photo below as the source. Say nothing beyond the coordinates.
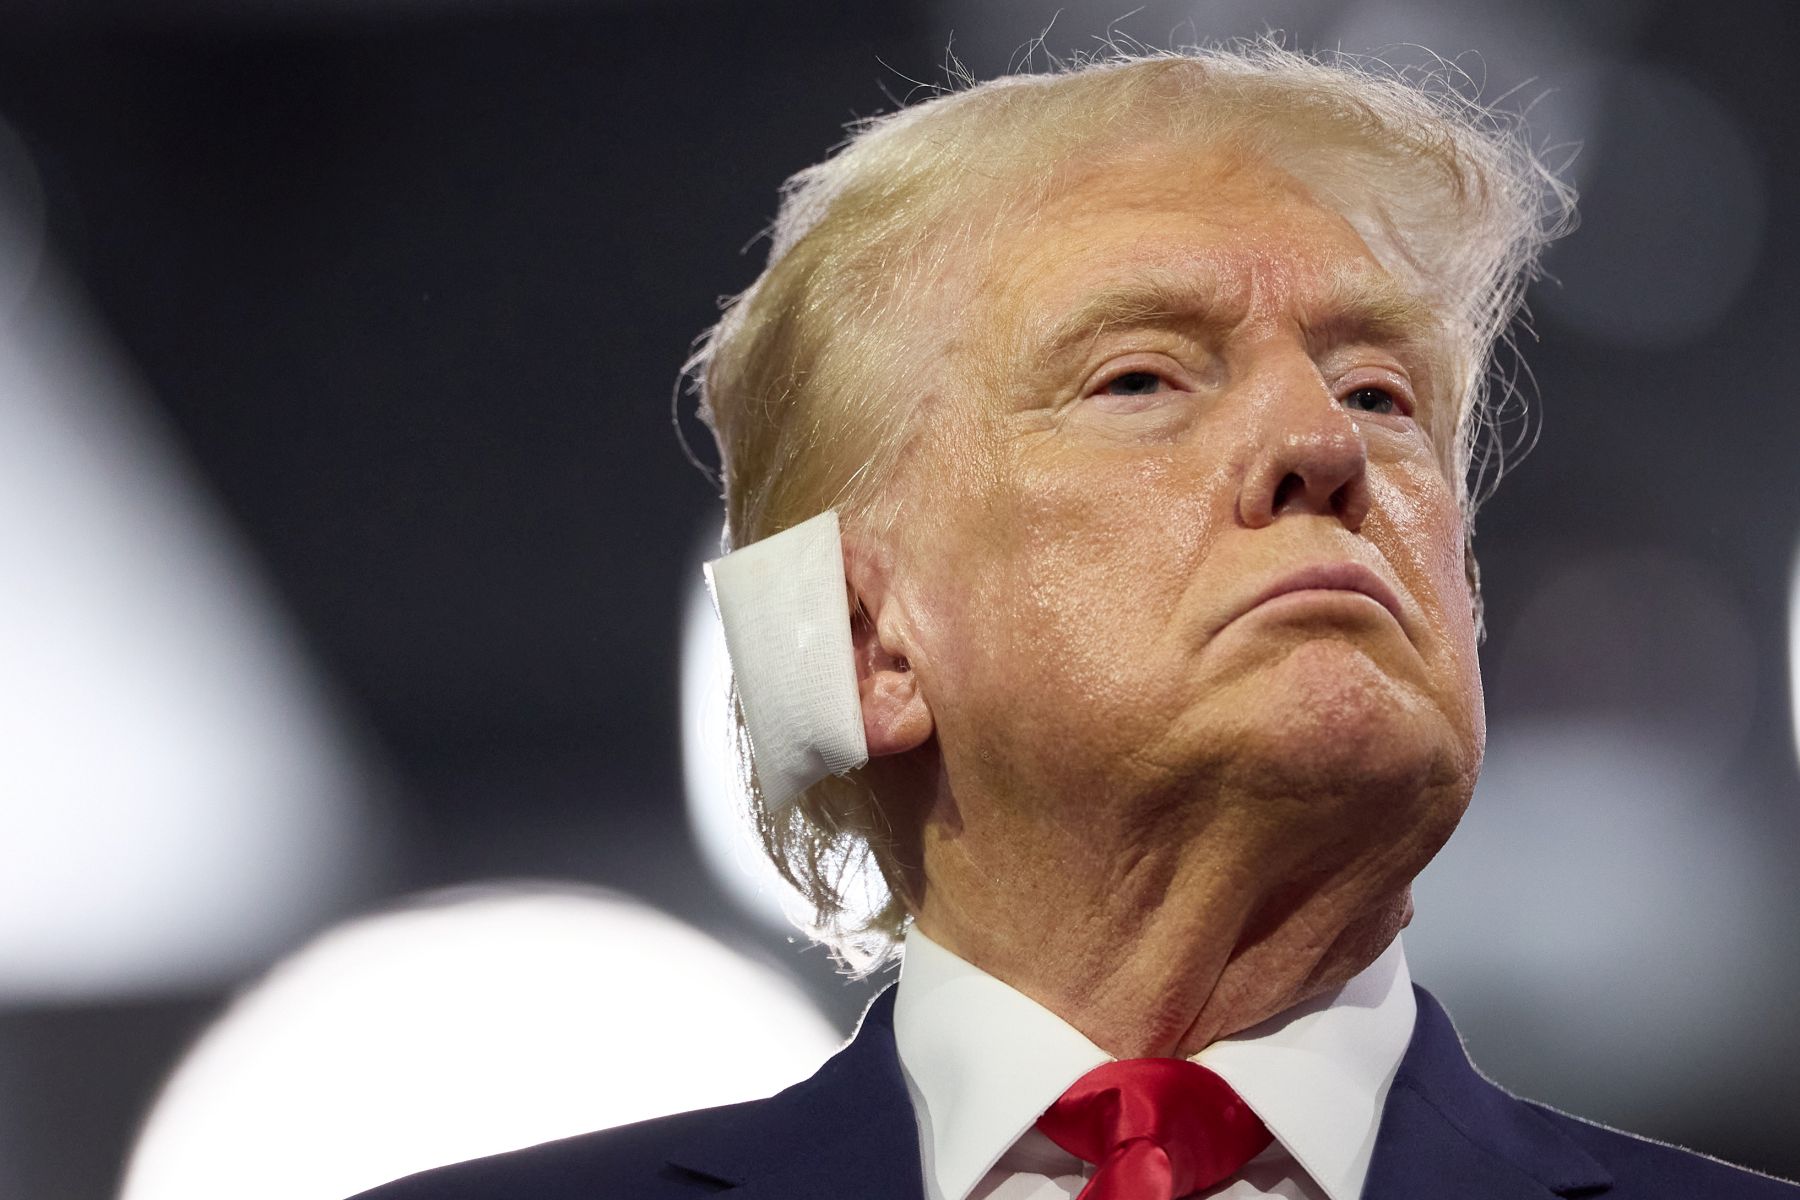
(473, 1022)
(179, 798)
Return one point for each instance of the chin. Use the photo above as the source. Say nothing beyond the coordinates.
(1329, 716)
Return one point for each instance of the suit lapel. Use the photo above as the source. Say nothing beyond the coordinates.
(848, 1130)
(1449, 1131)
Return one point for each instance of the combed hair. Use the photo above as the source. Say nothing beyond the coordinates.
(805, 380)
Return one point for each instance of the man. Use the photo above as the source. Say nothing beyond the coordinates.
(1146, 395)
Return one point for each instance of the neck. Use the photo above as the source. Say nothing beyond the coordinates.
(1163, 951)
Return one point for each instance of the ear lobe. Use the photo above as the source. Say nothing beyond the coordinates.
(895, 716)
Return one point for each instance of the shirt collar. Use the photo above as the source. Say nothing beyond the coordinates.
(1318, 1074)
(983, 1060)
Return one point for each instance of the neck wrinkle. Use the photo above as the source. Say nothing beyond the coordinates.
(1175, 949)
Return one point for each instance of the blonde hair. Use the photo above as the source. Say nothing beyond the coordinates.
(798, 379)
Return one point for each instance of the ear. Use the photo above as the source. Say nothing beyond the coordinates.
(895, 715)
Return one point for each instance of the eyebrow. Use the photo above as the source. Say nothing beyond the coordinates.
(1365, 306)
(1150, 300)
(1357, 306)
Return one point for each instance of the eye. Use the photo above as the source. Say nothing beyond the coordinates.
(1134, 383)
(1139, 385)
(1377, 400)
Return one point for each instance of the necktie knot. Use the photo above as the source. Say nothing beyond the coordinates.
(1156, 1129)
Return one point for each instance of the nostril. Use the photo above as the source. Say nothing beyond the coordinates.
(1290, 487)
(1351, 502)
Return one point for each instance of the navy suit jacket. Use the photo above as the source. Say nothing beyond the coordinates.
(847, 1133)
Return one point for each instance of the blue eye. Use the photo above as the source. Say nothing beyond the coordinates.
(1372, 400)
(1135, 383)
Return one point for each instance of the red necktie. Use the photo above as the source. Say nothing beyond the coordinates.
(1157, 1128)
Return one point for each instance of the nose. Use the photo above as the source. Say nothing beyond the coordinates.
(1308, 457)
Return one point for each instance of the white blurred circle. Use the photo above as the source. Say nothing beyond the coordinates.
(180, 798)
(478, 1021)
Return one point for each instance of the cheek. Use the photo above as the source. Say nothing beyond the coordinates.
(1083, 564)
(1418, 526)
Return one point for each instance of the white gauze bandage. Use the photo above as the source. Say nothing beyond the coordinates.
(787, 632)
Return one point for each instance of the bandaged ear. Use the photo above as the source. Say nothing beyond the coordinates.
(786, 612)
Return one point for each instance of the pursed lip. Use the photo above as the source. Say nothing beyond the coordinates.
(1332, 576)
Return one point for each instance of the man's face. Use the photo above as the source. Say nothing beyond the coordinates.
(1184, 387)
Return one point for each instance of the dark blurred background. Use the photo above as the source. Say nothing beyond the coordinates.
(350, 551)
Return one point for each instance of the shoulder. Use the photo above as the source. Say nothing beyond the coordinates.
(1448, 1129)
(630, 1158)
(1645, 1168)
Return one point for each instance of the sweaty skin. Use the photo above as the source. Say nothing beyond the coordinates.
(1164, 810)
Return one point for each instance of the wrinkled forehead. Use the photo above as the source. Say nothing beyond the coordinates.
(1150, 236)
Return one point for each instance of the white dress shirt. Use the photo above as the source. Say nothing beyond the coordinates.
(982, 1061)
